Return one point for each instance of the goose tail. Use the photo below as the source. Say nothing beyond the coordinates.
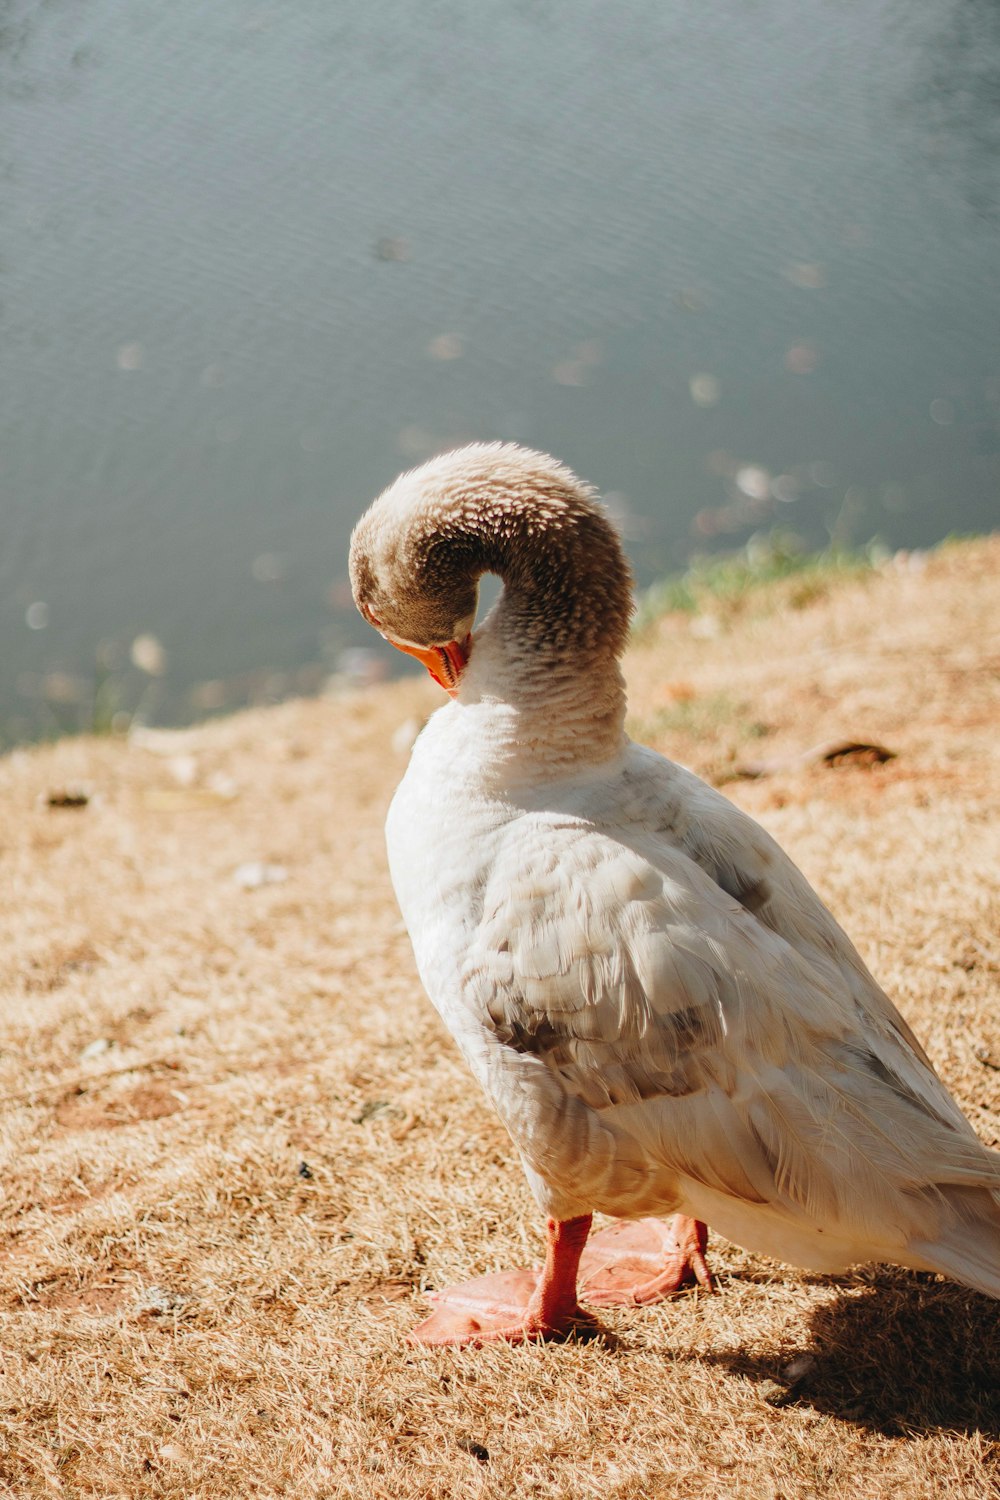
(969, 1251)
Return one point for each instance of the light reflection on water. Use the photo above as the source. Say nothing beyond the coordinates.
(736, 264)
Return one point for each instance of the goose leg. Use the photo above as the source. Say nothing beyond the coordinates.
(516, 1306)
(644, 1260)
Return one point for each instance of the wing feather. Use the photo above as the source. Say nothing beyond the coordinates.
(707, 1042)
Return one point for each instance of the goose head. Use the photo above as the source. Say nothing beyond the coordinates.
(418, 552)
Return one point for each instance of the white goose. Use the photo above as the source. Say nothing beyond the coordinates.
(664, 1014)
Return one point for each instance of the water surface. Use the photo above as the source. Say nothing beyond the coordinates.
(736, 263)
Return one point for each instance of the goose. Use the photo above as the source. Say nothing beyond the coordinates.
(670, 1024)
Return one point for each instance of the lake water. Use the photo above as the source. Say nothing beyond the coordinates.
(737, 263)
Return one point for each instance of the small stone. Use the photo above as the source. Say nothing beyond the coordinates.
(223, 786)
(799, 1369)
(184, 769)
(96, 1048)
(173, 1453)
(158, 1301)
(256, 873)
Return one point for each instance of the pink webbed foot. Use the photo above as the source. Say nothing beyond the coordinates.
(502, 1307)
(513, 1306)
(644, 1260)
(626, 1265)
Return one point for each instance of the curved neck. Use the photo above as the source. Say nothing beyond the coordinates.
(548, 651)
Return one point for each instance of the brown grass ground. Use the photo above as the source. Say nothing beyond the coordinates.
(238, 1144)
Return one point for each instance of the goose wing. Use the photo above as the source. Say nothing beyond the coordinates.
(656, 1024)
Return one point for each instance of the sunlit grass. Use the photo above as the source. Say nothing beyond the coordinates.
(726, 582)
(240, 1148)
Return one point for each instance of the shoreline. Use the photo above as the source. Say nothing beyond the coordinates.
(765, 569)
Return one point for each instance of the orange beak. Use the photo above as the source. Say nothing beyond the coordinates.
(445, 663)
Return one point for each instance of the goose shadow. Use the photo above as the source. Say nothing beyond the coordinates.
(900, 1353)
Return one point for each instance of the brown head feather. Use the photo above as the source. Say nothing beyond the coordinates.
(418, 552)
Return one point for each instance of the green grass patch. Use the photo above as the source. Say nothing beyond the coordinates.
(769, 571)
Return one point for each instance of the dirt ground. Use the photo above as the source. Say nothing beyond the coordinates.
(239, 1147)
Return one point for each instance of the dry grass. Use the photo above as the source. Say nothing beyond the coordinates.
(238, 1145)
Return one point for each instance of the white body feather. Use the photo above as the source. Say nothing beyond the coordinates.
(667, 1018)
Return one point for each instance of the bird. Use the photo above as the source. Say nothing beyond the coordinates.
(670, 1024)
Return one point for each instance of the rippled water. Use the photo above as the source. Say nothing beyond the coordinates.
(736, 263)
